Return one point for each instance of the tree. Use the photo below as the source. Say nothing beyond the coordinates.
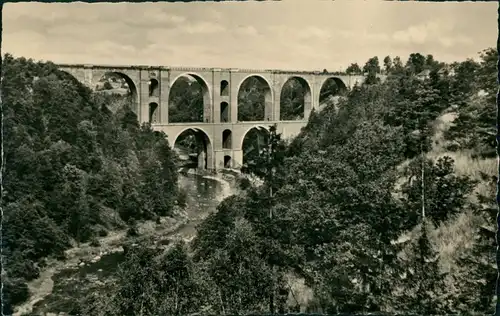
(372, 66)
(353, 69)
(416, 63)
(387, 64)
(397, 65)
(445, 193)
(424, 288)
(68, 160)
(430, 63)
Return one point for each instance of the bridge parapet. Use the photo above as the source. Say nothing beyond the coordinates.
(254, 70)
(191, 69)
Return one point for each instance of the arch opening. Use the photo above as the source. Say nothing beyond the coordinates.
(153, 112)
(227, 161)
(255, 100)
(224, 88)
(121, 90)
(227, 136)
(331, 90)
(194, 149)
(254, 142)
(154, 88)
(295, 99)
(224, 112)
(189, 100)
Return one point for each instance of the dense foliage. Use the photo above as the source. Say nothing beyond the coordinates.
(73, 169)
(335, 203)
(351, 205)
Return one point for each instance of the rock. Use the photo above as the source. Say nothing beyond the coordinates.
(82, 264)
(99, 270)
(96, 258)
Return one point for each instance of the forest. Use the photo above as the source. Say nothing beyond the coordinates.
(383, 203)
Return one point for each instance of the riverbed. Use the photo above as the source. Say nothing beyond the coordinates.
(90, 269)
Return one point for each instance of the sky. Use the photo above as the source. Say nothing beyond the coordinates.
(288, 34)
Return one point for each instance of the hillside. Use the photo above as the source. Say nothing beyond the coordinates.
(74, 170)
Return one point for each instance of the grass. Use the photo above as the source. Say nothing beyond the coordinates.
(456, 236)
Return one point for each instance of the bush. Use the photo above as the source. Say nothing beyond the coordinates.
(103, 232)
(244, 183)
(94, 242)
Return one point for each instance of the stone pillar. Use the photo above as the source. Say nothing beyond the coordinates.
(143, 96)
(219, 159)
(234, 82)
(88, 79)
(276, 86)
(237, 158)
(216, 97)
(201, 160)
(316, 90)
(164, 82)
(309, 100)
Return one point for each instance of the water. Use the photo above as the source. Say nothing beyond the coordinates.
(70, 284)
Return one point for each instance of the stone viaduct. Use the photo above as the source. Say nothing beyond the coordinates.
(221, 131)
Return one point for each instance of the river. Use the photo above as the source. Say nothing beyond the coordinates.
(70, 281)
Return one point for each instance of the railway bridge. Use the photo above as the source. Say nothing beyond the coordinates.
(221, 132)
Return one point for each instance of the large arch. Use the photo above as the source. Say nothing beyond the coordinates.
(198, 112)
(252, 142)
(196, 143)
(295, 99)
(331, 88)
(247, 100)
(120, 84)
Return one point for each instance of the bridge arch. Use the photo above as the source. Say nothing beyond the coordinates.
(206, 95)
(196, 141)
(331, 87)
(130, 85)
(295, 104)
(252, 140)
(249, 112)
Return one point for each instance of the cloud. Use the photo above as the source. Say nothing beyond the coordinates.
(201, 28)
(314, 32)
(287, 34)
(427, 32)
(247, 30)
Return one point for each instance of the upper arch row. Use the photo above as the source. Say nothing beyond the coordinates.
(274, 82)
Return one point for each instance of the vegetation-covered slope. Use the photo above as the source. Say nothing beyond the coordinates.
(73, 169)
(341, 207)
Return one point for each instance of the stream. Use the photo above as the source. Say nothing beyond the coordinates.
(90, 269)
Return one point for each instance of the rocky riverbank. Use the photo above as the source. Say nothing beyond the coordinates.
(89, 267)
